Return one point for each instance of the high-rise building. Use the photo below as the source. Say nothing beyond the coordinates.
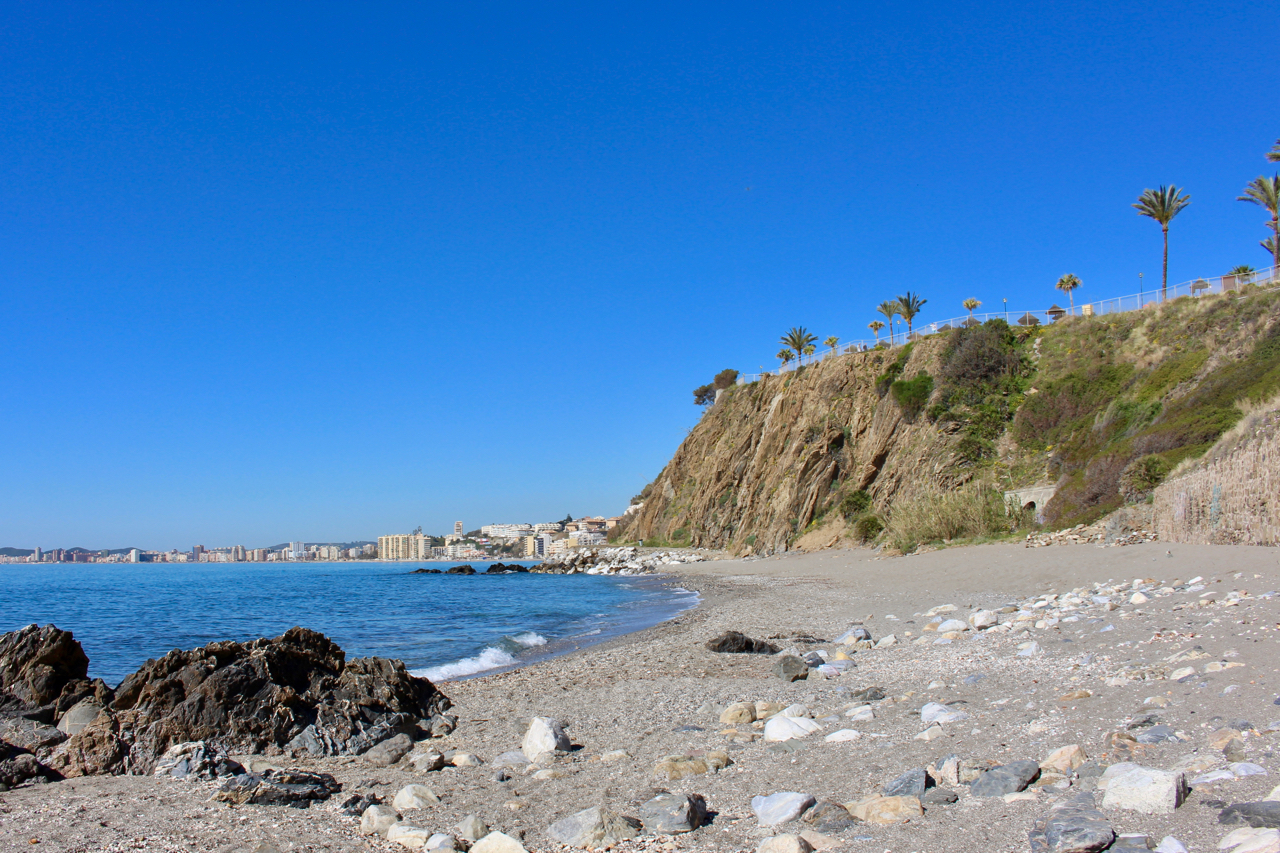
(404, 546)
(39, 555)
(196, 551)
(135, 556)
(457, 528)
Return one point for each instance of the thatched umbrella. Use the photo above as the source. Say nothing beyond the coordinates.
(1055, 312)
(1028, 319)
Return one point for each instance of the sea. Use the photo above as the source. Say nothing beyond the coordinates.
(444, 627)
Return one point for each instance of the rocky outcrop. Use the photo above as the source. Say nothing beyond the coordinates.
(773, 455)
(614, 561)
(294, 691)
(44, 669)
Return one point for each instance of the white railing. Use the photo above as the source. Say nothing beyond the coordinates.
(1265, 278)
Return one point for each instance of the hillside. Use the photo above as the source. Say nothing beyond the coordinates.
(1100, 408)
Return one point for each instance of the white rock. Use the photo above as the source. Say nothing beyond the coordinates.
(983, 619)
(1138, 598)
(1169, 844)
(409, 836)
(1027, 650)
(415, 797)
(1146, 790)
(1118, 769)
(544, 737)
(1213, 776)
(843, 735)
(1263, 842)
(440, 841)
(780, 728)
(1184, 672)
(860, 714)
(936, 712)
(777, 809)
(952, 625)
(1248, 835)
(1245, 768)
(784, 844)
(886, 641)
(497, 842)
(795, 711)
(934, 731)
(1274, 796)
(376, 820)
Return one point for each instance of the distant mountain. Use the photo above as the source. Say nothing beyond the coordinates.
(16, 552)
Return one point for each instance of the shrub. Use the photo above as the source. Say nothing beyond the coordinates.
(912, 395)
(893, 371)
(855, 504)
(1140, 477)
(867, 527)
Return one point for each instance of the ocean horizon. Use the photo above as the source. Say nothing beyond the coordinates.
(443, 627)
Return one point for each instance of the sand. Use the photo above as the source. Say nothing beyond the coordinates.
(641, 693)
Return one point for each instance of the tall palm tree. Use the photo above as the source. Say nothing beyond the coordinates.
(1067, 284)
(909, 305)
(1243, 269)
(1274, 154)
(971, 303)
(1162, 205)
(889, 310)
(875, 326)
(797, 339)
(1265, 192)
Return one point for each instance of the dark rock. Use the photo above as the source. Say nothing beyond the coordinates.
(829, 818)
(1133, 843)
(297, 690)
(96, 750)
(425, 572)
(501, 776)
(909, 784)
(1214, 804)
(790, 668)
(732, 642)
(196, 760)
(31, 735)
(688, 729)
(938, 797)
(441, 725)
(1005, 779)
(1074, 825)
(460, 570)
(813, 659)
(294, 788)
(355, 804)
(671, 814)
(18, 765)
(500, 569)
(1265, 813)
(868, 694)
(1143, 721)
(389, 751)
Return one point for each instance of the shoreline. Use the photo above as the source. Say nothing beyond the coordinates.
(633, 700)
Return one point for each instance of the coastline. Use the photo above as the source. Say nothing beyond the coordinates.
(658, 692)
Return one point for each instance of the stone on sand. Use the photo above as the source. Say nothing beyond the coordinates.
(782, 728)
(884, 811)
(679, 766)
(1146, 790)
(1006, 779)
(376, 820)
(1064, 759)
(389, 751)
(1074, 825)
(545, 736)
(594, 827)
(672, 814)
(784, 844)
(415, 797)
(739, 713)
(498, 842)
(413, 837)
(780, 808)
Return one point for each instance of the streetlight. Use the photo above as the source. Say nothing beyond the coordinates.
(1006, 311)
(1139, 290)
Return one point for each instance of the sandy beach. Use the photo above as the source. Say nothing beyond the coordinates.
(1095, 668)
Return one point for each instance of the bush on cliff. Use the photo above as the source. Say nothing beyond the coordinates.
(912, 395)
(941, 515)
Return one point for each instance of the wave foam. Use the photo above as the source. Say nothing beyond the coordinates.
(491, 657)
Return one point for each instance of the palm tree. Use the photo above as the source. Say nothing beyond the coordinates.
(971, 303)
(1265, 192)
(889, 310)
(785, 356)
(1270, 245)
(1067, 284)
(1243, 269)
(875, 326)
(909, 305)
(1274, 154)
(797, 339)
(832, 342)
(809, 351)
(1162, 205)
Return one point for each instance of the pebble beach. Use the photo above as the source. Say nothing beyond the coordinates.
(958, 700)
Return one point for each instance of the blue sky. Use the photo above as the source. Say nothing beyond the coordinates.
(328, 271)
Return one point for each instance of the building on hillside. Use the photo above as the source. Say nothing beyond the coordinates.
(457, 528)
(404, 546)
(586, 539)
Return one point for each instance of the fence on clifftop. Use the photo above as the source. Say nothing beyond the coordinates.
(1265, 279)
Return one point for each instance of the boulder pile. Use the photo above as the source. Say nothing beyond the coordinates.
(614, 561)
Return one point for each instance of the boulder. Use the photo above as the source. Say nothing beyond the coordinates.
(278, 788)
(545, 736)
(414, 797)
(784, 844)
(96, 750)
(1064, 759)
(1146, 790)
(31, 735)
(460, 570)
(829, 817)
(672, 814)
(196, 760)
(296, 691)
(884, 811)
(938, 797)
(376, 820)
(39, 666)
(739, 713)
(389, 751)
(18, 765)
(983, 619)
(405, 835)
(952, 625)
(594, 827)
(431, 761)
(780, 808)
(1074, 825)
(733, 642)
(497, 842)
(675, 767)
(782, 728)
(936, 712)
(790, 668)
(909, 784)
(1251, 840)
(1265, 813)
(79, 715)
(1005, 779)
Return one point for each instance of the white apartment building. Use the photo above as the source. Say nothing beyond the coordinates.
(404, 546)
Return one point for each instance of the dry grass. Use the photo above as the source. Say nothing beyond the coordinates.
(972, 511)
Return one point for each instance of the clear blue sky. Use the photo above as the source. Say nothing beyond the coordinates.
(328, 271)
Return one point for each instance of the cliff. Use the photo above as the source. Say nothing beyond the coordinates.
(1093, 410)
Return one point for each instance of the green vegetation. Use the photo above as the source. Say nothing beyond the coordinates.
(1067, 284)
(867, 528)
(983, 377)
(855, 504)
(975, 510)
(912, 395)
(799, 340)
(889, 309)
(891, 373)
(1265, 192)
(705, 395)
(909, 305)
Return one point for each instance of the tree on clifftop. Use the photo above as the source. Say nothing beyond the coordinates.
(875, 326)
(1265, 192)
(909, 305)
(889, 310)
(705, 395)
(970, 304)
(1162, 205)
(1067, 284)
(785, 356)
(1274, 154)
(798, 339)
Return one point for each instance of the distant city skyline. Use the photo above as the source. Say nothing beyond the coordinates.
(343, 270)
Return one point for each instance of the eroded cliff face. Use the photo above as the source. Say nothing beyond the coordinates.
(771, 457)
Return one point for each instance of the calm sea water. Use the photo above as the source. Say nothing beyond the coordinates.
(442, 626)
